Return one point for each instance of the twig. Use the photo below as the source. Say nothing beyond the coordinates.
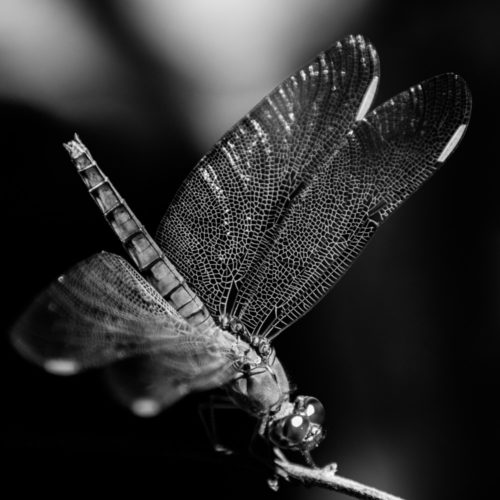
(326, 477)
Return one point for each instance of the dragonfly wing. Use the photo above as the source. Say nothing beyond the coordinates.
(102, 311)
(148, 384)
(380, 163)
(224, 218)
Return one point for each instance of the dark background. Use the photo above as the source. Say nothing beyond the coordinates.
(404, 353)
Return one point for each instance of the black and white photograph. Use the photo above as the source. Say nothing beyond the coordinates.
(252, 249)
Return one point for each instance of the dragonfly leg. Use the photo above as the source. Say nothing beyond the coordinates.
(309, 459)
(265, 454)
(207, 410)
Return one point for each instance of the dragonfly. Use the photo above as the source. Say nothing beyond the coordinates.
(261, 229)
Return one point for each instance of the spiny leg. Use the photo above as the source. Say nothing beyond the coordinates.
(309, 459)
(265, 454)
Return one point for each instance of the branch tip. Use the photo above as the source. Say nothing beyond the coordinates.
(326, 477)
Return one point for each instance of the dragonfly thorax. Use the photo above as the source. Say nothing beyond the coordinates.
(262, 389)
(237, 327)
(261, 386)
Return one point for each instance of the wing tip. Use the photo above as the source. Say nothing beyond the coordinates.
(443, 100)
(356, 56)
(368, 98)
(452, 143)
(457, 94)
(145, 407)
(61, 366)
(55, 365)
(457, 104)
(362, 44)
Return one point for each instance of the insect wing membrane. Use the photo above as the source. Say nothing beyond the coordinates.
(147, 384)
(102, 311)
(224, 218)
(381, 162)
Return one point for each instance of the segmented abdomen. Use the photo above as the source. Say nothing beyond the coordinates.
(138, 243)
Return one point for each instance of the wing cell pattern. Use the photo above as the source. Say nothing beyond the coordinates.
(266, 223)
(223, 220)
(275, 213)
(381, 162)
(102, 311)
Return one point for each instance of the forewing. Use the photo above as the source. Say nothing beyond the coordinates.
(380, 163)
(102, 311)
(224, 218)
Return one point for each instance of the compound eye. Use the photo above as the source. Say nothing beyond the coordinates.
(295, 429)
(314, 410)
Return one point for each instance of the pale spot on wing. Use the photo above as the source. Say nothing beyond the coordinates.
(61, 366)
(452, 143)
(297, 421)
(367, 99)
(309, 410)
(145, 407)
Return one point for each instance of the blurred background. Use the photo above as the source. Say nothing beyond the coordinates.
(404, 352)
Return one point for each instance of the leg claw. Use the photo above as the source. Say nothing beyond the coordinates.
(274, 483)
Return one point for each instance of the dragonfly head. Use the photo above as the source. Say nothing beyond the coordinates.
(301, 428)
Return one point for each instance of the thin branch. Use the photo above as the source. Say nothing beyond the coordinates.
(326, 477)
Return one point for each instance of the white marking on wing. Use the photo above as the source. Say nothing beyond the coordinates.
(367, 99)
(452, 143)
(61, 366)
(145, 407)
